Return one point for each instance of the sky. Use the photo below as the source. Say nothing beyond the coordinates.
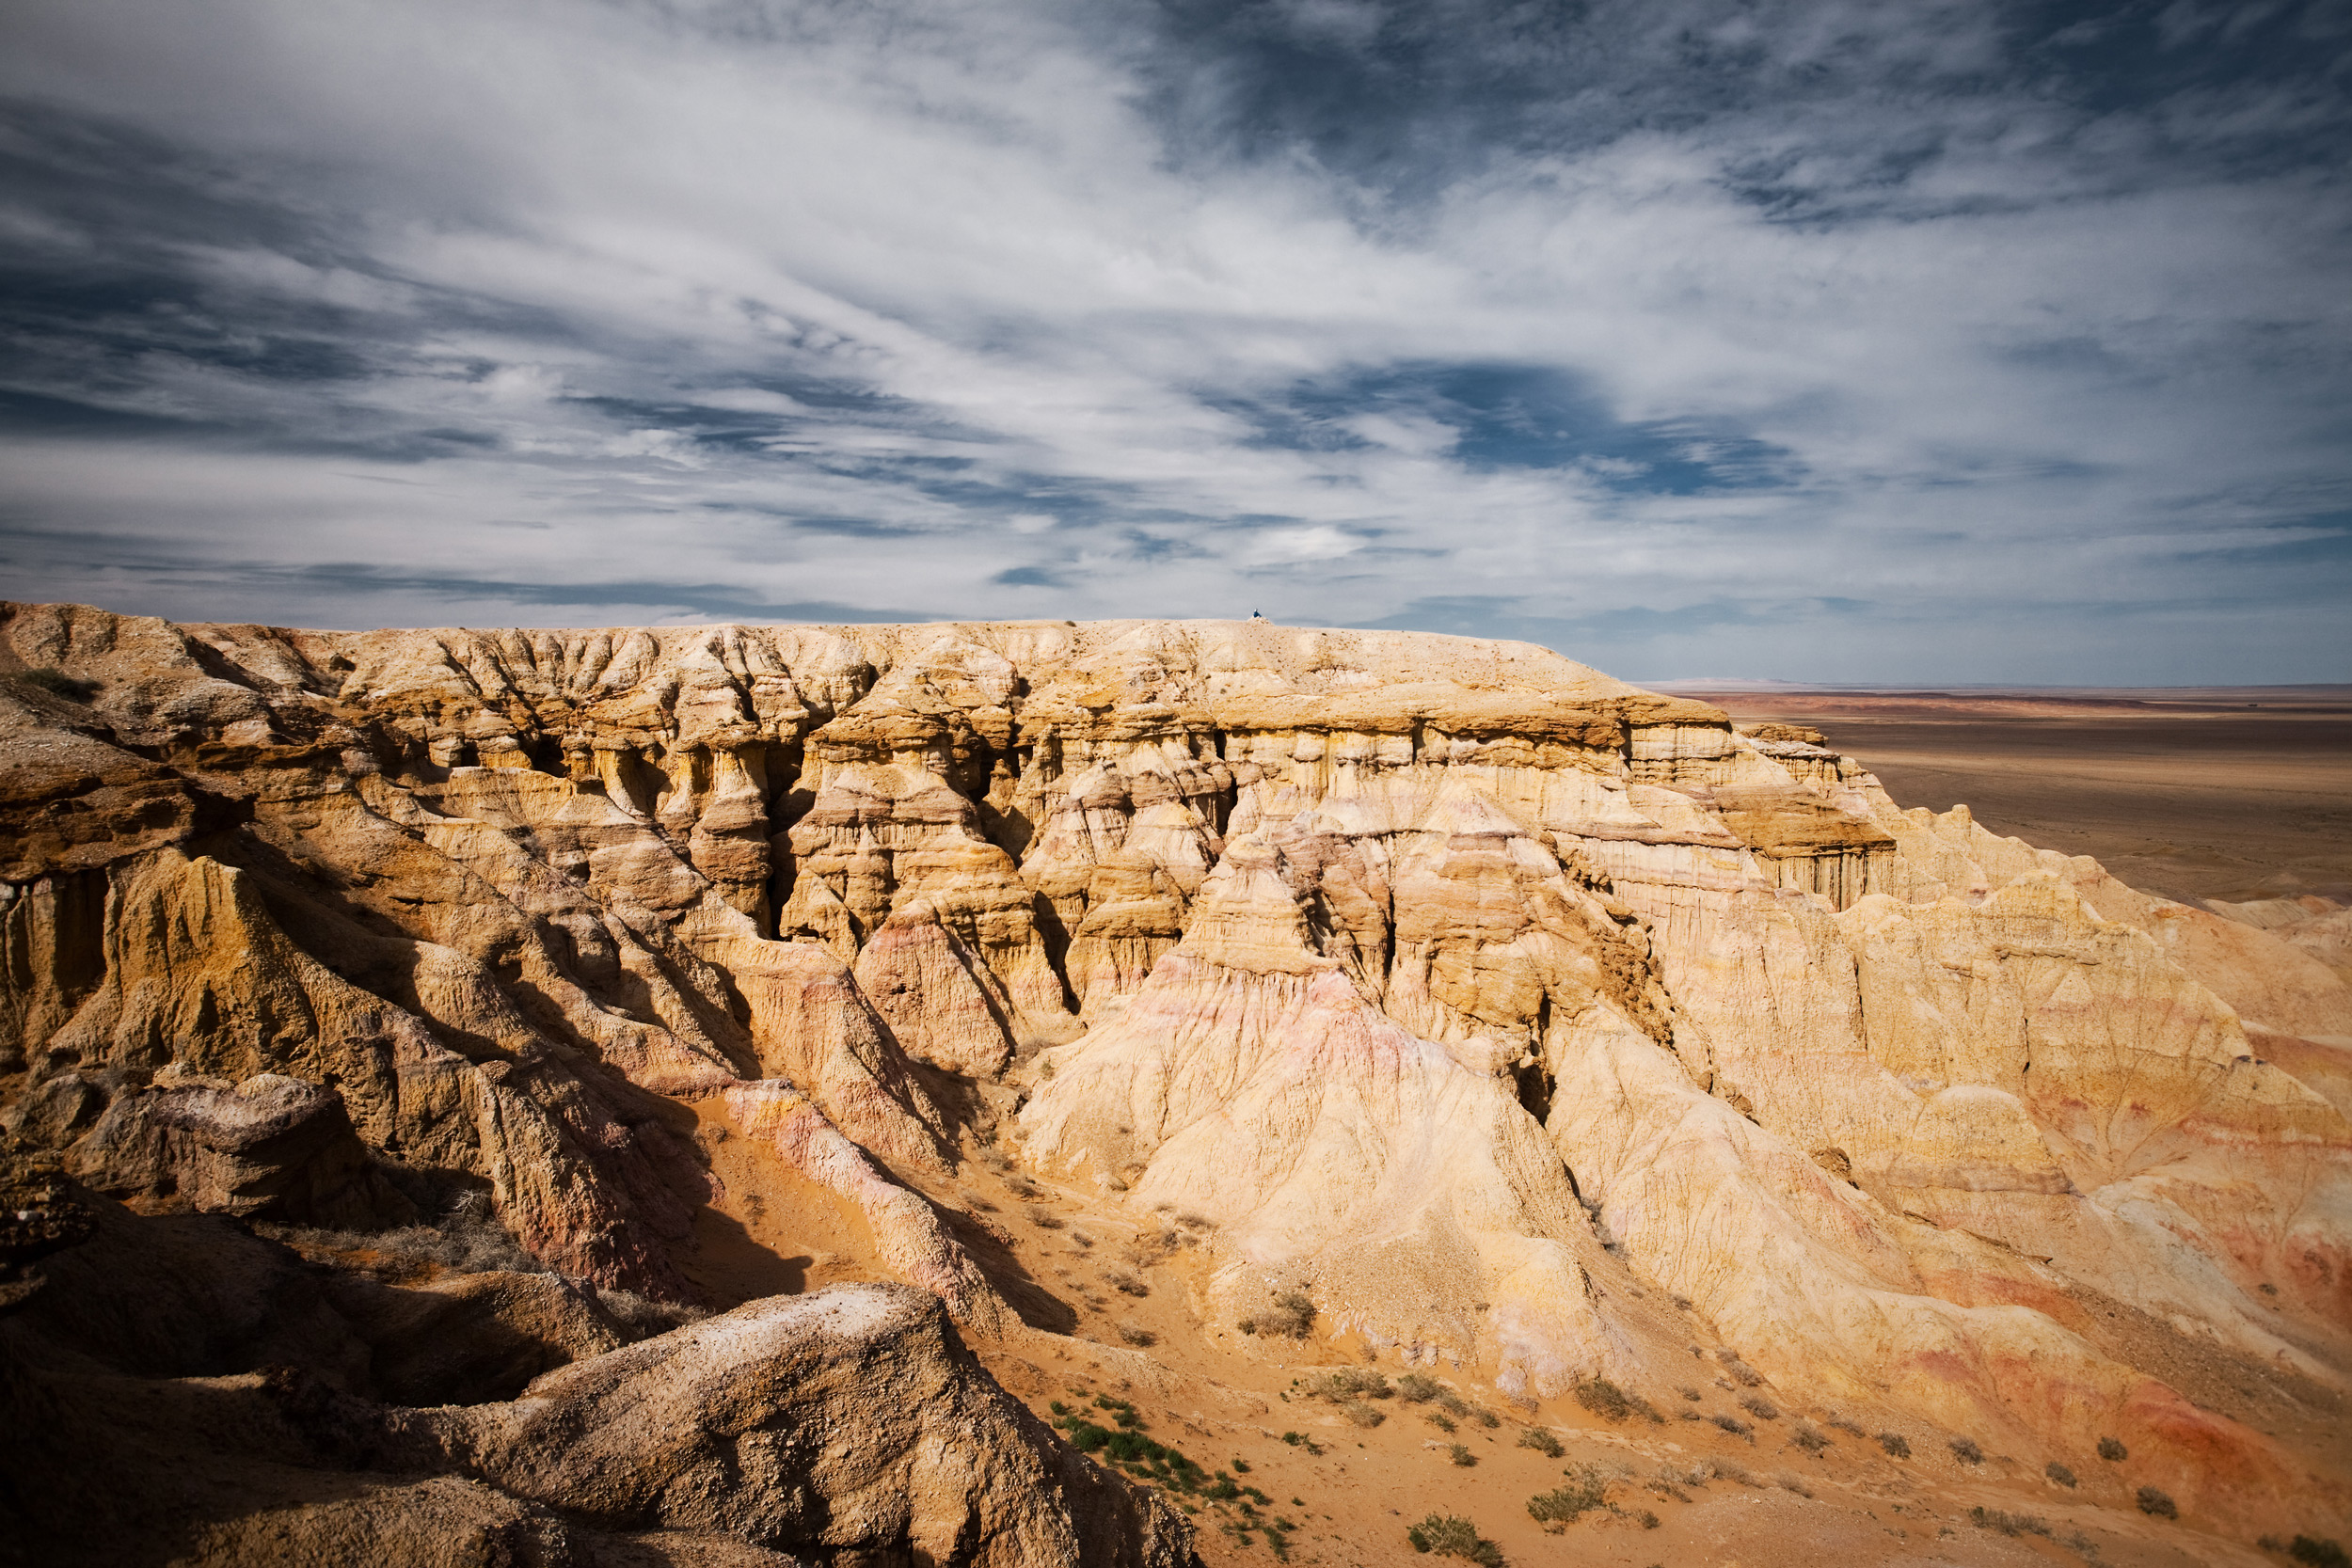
(1800, 339)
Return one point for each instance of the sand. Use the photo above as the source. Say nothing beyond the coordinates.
(2213, 793)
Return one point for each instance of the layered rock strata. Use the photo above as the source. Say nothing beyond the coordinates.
(1462, 987)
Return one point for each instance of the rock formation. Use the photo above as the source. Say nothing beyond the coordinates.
(1482, 998)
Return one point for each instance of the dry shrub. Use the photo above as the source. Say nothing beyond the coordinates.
(1604, 1399)
(1440, 1419)
(1808, 1437)
(1787, 1482)
(2111, 1451)
(1965, 1451)
(1361, 1414)
(1745, 1375)
(1124, 1283)
(1290, 1316)
(1896, 1445)
(1044, 1219)
(645, 1318)
(1454, 1536)
(1417, 1388)
(1138, 1336)
(1760, 1408)
(2058, 1473)
(1462, 1456)
(1737, 1426)
(1349, 1382)
(2155, 1503)
(2009, 1523)
(1542, 1441)
(1561, 1507)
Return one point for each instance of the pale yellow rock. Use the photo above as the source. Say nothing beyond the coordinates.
(1456, 984)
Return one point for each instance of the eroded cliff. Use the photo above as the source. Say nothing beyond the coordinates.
(1487, 1002)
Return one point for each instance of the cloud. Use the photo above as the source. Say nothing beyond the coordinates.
(1936, 342)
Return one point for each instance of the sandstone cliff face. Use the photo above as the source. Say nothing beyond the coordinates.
(1450, 981)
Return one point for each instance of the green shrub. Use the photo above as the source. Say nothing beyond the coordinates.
(2156, 1504)
(1455, 1536)
(1541, 1440)
(1440, 1419)
(1462, 1457)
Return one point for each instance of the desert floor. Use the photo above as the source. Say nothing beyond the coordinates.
(2235, 793)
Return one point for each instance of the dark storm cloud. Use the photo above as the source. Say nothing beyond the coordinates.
(1819, 338)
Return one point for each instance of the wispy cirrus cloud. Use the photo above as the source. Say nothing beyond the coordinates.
(1811, 338)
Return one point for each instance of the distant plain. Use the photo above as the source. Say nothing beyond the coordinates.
(2217, 792)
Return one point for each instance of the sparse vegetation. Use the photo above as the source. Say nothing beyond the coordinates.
(1542, 1441)
(1453, 1536)
(2008, 1524)
(2058, 1473)
(1808, 1437)
(1612, 1404)
(1418, 1389)
(1745, 1375)
(1760, 1408)
(1361, 1414)
(1138, 1336)
(1044, 1219)
(1561, 1506)
(1440, 1419)
(1787, 1482)
(2320, 1553)
(1735, 1426)
(1691, 1394)
(1290, 1316)
(1461, 1456)
(1347, 1383)
(2113, 1451)
(1965, 1451)
(1842, 1424)
(1124, 1283)
(1896, 1445)
(466, 1238)
(2155, 1503)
